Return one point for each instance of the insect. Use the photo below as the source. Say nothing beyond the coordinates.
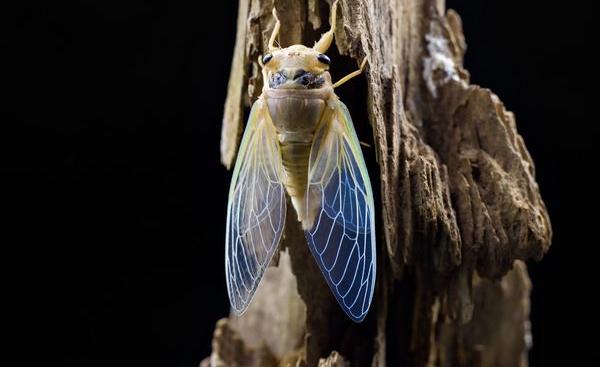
(300, 140)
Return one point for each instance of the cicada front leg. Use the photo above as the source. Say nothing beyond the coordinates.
(327, 38)
(352, 74)
(275, 32)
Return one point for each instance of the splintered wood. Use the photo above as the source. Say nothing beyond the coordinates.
(460, 209)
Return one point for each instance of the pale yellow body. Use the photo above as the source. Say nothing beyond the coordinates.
(296, 112)
(298, 115)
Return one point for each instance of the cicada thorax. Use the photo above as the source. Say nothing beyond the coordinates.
(296, 115)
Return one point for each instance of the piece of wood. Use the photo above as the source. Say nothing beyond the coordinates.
(460, 208)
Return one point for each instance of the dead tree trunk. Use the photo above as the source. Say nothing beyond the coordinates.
(460, 208)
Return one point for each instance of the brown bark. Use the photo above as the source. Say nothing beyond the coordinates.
(460, 208)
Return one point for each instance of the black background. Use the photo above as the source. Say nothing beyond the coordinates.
(115, 198)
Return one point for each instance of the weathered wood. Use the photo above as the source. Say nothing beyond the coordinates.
(460, 208)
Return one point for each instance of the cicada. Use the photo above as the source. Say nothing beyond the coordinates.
(300, 141)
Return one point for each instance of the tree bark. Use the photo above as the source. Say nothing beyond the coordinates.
(460, 208)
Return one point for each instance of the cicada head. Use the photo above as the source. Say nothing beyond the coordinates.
(296, 67)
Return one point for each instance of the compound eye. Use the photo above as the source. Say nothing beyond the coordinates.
(324, 59)
(266, 58)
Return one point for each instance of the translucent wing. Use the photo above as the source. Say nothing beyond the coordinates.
(342, 236)
(256, 209)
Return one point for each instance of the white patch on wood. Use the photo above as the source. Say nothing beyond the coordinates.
(439, 67)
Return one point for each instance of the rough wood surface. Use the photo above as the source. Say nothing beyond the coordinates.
(460, 208)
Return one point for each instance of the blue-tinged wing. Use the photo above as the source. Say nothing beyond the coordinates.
(256, 209)
(341, 235)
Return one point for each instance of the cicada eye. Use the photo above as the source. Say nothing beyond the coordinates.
(324, 59)
(267, 58)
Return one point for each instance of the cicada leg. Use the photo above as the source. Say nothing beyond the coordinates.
(275, 32)
(352, 74)
(327, 38)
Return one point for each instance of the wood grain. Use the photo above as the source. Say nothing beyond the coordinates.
(460, 207)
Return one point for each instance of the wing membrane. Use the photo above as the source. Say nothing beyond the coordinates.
(342, 236)
(256, 209)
